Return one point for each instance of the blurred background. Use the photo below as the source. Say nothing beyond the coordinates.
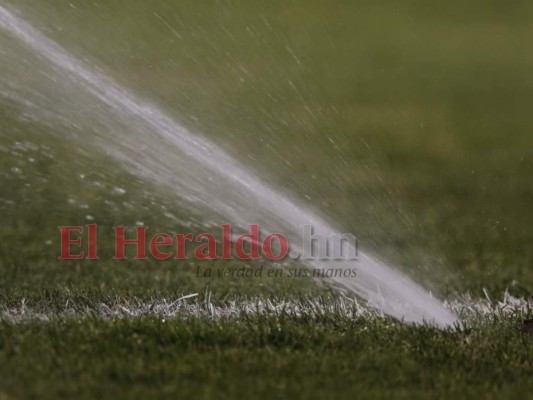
(407, 124)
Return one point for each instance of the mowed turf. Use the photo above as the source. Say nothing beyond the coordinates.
(408, 125)
(260, 357)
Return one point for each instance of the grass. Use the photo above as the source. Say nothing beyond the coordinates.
(407, 124)
(307, 357)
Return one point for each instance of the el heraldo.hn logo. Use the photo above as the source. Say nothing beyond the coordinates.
(82, 243)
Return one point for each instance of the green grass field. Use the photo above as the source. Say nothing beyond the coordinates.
(406, 124)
